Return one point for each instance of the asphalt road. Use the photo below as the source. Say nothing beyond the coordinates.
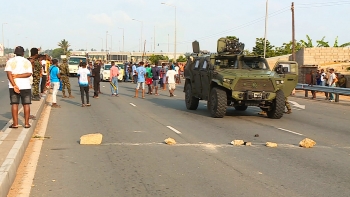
(5, 108)
(134, 161)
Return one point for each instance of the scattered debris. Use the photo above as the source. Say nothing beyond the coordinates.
(307, 143)
(247, 143)
(170, 141)
(256, 135)
(271, 144)
(237, 142)
(95, 138)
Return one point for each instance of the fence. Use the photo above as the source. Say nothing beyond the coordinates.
(337, 91)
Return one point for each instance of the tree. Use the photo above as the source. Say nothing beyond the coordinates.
(56, 53)
(307, 44)
(322, 43)
(259, 48)
(155, 58)
(287, 48)
(181, 59)
(64, 45)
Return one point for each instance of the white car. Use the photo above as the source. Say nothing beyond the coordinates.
(105, 72)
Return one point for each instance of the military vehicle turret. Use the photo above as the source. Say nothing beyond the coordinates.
(230, 79)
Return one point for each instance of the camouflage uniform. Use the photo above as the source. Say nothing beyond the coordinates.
(64, 72)
(36, 77)
(287, 105)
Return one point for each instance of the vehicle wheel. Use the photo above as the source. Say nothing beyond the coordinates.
(191, 101)
(241, 108)
(277, 108)
(218, 101)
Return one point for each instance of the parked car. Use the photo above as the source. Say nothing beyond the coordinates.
(105, 72)
(121, 72)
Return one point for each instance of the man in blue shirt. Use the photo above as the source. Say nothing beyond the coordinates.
(55, 81)
(141, 78)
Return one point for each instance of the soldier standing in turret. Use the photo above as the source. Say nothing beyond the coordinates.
(64, 72)
(37, 68)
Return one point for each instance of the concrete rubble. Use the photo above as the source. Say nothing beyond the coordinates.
(93, 139)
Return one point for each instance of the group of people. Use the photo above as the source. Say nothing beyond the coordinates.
(328, 78)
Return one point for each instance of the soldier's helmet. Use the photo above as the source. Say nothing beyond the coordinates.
(64, 60)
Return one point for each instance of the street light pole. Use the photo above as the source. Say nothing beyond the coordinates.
(123, 37)
(101, 43)
(106, 47)
(3, 45)
(267, 4)
(141, 32)
(175, 30)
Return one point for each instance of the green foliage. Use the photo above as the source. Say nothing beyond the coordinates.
(56, 53)
(259, 48)
(307, 44)
(181, 59)
(287, 48)
(155, 58)
(232, 37)
(64, 45)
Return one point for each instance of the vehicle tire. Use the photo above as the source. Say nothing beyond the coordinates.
(191, 101)
(241, 108)
(277, 108)
(218, 103)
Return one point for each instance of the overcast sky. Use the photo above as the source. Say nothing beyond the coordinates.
(43, 23)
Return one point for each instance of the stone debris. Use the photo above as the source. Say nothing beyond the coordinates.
(247, 143)
(95, 138)
(271, 144)
(170, 141)
(237, 142)
(256, 135)
(307, 143)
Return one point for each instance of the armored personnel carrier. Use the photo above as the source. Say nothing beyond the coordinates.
(230, 79)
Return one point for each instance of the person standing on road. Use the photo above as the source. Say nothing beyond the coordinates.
(332, 80)
(90, 68)
(163, 75)
(155, 78)
(54, 72)
(114, 73)
(97, 78)
(64, 73)
(149, 78)
(134, 76)
(141, 76)
(36, 73)
(312, 83)
(84, 80)
(18, 71)
(342, 81)
(170, 80)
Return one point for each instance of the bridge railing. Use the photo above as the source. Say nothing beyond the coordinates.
(336, 90)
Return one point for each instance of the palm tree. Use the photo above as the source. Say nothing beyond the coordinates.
(64, 45)
(322, 43)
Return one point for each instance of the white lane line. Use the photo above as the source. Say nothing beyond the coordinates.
(295, 104)
(290, 131)
(173, 129)
(132, 104)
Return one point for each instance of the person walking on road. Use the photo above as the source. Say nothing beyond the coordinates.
(64, 73)
(141, 76)
(155, 78)
(149, 78)
(163, 75)
(170, 80)
(312, 83)
(44, 75)
(114, 73)
(54, 72)
(134, 76)
(84, 81)
(97, 78)
(18, 71)
(332, 80)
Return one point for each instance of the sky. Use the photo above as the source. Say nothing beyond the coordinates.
(84, 23)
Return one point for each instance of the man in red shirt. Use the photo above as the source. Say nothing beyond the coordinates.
(114, 73)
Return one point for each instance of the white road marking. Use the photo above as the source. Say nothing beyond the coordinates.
(173, 129)
(132, 104)
(290, 131)
(2, 81)
(297, 105)
(296, 108)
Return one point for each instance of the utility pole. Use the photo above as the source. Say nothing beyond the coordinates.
(123, 38)
(154, 40)
(265, 36)
(106, 47)
(293, 33)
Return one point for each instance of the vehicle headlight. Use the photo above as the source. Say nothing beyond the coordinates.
(230, 81)
(279, 82)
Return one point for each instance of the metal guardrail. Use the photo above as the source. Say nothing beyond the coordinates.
(336, 90)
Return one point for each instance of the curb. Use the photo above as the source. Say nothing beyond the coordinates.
(8, 168)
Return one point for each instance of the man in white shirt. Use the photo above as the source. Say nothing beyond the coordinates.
(332, 79)
(19, 71)
(44, 75)
(170, 80)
